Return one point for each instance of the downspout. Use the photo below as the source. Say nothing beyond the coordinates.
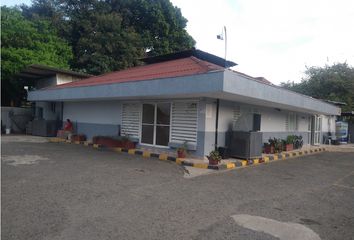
(217, 123)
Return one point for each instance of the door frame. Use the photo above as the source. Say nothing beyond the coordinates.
(154, 125)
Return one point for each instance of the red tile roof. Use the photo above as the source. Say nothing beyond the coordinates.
(174, 68)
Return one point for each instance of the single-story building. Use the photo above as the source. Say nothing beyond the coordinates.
(187, 96)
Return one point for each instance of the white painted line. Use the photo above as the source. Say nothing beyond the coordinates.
(281, 230)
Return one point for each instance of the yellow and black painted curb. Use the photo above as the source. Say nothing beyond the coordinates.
(181, 161)
(281, 156)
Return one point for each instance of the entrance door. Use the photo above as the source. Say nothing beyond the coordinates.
(155, 126)
(316, 128)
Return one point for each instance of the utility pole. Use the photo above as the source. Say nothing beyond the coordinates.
(223, 36)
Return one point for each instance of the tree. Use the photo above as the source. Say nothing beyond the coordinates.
(334, 83)
(108, 35)
(25, 42)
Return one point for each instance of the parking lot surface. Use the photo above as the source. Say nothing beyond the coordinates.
(63, 191)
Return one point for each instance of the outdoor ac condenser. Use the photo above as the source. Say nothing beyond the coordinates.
(45, 128)
(245, 145)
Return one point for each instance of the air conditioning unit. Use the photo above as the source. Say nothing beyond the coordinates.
(245, 145)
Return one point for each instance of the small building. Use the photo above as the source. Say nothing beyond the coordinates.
(37, 77)
(190, 97)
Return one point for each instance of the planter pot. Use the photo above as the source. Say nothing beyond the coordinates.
(113, 143)
(107, 142)
(181, 154)
(213, 162)
(269, 149)
(289, 147)
(129, 145)
(79, 138)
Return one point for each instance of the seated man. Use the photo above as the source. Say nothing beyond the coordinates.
(68, 126)
(67, 130)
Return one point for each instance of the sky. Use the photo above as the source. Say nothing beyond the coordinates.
(275, 39)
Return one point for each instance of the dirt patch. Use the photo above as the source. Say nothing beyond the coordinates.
(15, 160)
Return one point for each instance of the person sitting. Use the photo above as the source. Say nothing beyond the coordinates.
(67, 130)
(68, 126)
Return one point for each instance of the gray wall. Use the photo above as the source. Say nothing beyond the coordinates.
(94, 118)
(50, 113)
(20, 117)
(96, 129)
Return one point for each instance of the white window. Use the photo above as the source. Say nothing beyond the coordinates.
(131, 119)
(184, 122)
(291, 122)
(236, 114)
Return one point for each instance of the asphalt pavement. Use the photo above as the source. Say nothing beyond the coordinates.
(62, 191)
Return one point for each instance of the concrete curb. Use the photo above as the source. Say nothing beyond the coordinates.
(183, 162)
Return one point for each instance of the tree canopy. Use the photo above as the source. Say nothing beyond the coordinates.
(108, 35)
(25, 42)
(91, 36)
(334, 83)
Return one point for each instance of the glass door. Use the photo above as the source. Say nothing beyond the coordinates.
(156, 124)
(148, 124)
(316, 129)
(162, 132)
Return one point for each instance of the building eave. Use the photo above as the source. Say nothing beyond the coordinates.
(223, 84)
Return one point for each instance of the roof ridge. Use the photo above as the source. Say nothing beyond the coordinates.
(174, 68)
(110, 73)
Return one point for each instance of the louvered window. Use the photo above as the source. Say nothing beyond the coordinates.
(236, 114)
(184, 122)
(291, 123)
(131, 119)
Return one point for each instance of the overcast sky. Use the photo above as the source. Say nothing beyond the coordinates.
(275, 39)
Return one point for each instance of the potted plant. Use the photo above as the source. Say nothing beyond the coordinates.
(78, 137)
(298, 142)
(272, 144)
(278, 146)
(214, 158)
(182, 150)
(268, 148)
(289, 143)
